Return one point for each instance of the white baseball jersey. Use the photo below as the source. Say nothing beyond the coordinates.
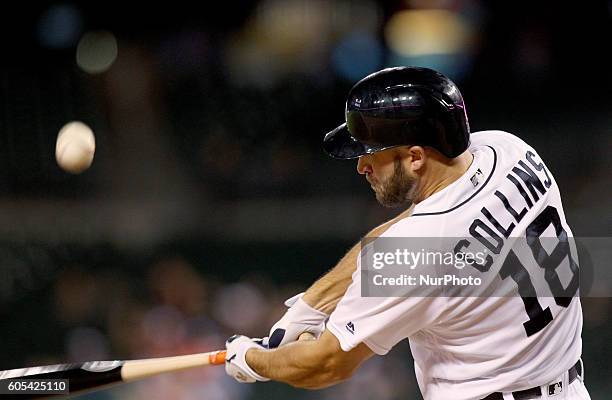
(469, 347)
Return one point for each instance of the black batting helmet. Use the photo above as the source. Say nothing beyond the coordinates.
(401, 106)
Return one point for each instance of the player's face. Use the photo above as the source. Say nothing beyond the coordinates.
(389, 178)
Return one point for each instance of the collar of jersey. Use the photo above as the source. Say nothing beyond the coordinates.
(462, 190)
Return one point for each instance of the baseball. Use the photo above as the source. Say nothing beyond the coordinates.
(75, 147)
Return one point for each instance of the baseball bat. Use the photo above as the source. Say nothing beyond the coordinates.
(95, 374)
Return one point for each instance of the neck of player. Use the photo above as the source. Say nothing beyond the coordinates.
(441, 172)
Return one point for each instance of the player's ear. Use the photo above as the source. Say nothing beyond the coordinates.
(417, 157)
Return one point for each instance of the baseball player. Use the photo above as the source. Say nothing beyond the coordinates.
(409, 129)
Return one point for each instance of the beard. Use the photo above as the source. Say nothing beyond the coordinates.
(398, 190)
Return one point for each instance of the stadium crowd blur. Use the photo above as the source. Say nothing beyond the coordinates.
(210, 200)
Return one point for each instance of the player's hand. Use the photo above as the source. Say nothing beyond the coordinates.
(299, 318)
(235, 359)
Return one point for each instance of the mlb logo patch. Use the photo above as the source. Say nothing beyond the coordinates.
(475, 179)
(555, 389)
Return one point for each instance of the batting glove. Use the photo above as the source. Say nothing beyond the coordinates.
(299, 318)
(235, 359)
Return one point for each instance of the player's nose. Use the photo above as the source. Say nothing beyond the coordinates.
(363, 166)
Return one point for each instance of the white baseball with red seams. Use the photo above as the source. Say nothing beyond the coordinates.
(75, 147)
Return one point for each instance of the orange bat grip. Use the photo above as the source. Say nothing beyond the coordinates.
(217, 357)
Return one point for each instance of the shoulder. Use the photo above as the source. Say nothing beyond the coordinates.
(495, 138)
(381, 229)
(410, 227)
(508, 148)
(404, 225)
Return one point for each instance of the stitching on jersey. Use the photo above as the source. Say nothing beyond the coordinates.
(469, 198)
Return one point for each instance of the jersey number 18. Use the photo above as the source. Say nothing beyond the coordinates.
(512, 267)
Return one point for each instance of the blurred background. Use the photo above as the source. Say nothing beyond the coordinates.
(210, 200)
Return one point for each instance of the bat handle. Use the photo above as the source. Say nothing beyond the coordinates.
(138, 369)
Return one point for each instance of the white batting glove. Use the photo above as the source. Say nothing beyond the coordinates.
(235, 359)
(299, 318)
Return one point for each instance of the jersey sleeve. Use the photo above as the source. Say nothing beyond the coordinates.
(380, 322)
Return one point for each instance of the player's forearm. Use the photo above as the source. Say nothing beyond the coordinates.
(308, 364)
(293, 364)
(326, 292)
